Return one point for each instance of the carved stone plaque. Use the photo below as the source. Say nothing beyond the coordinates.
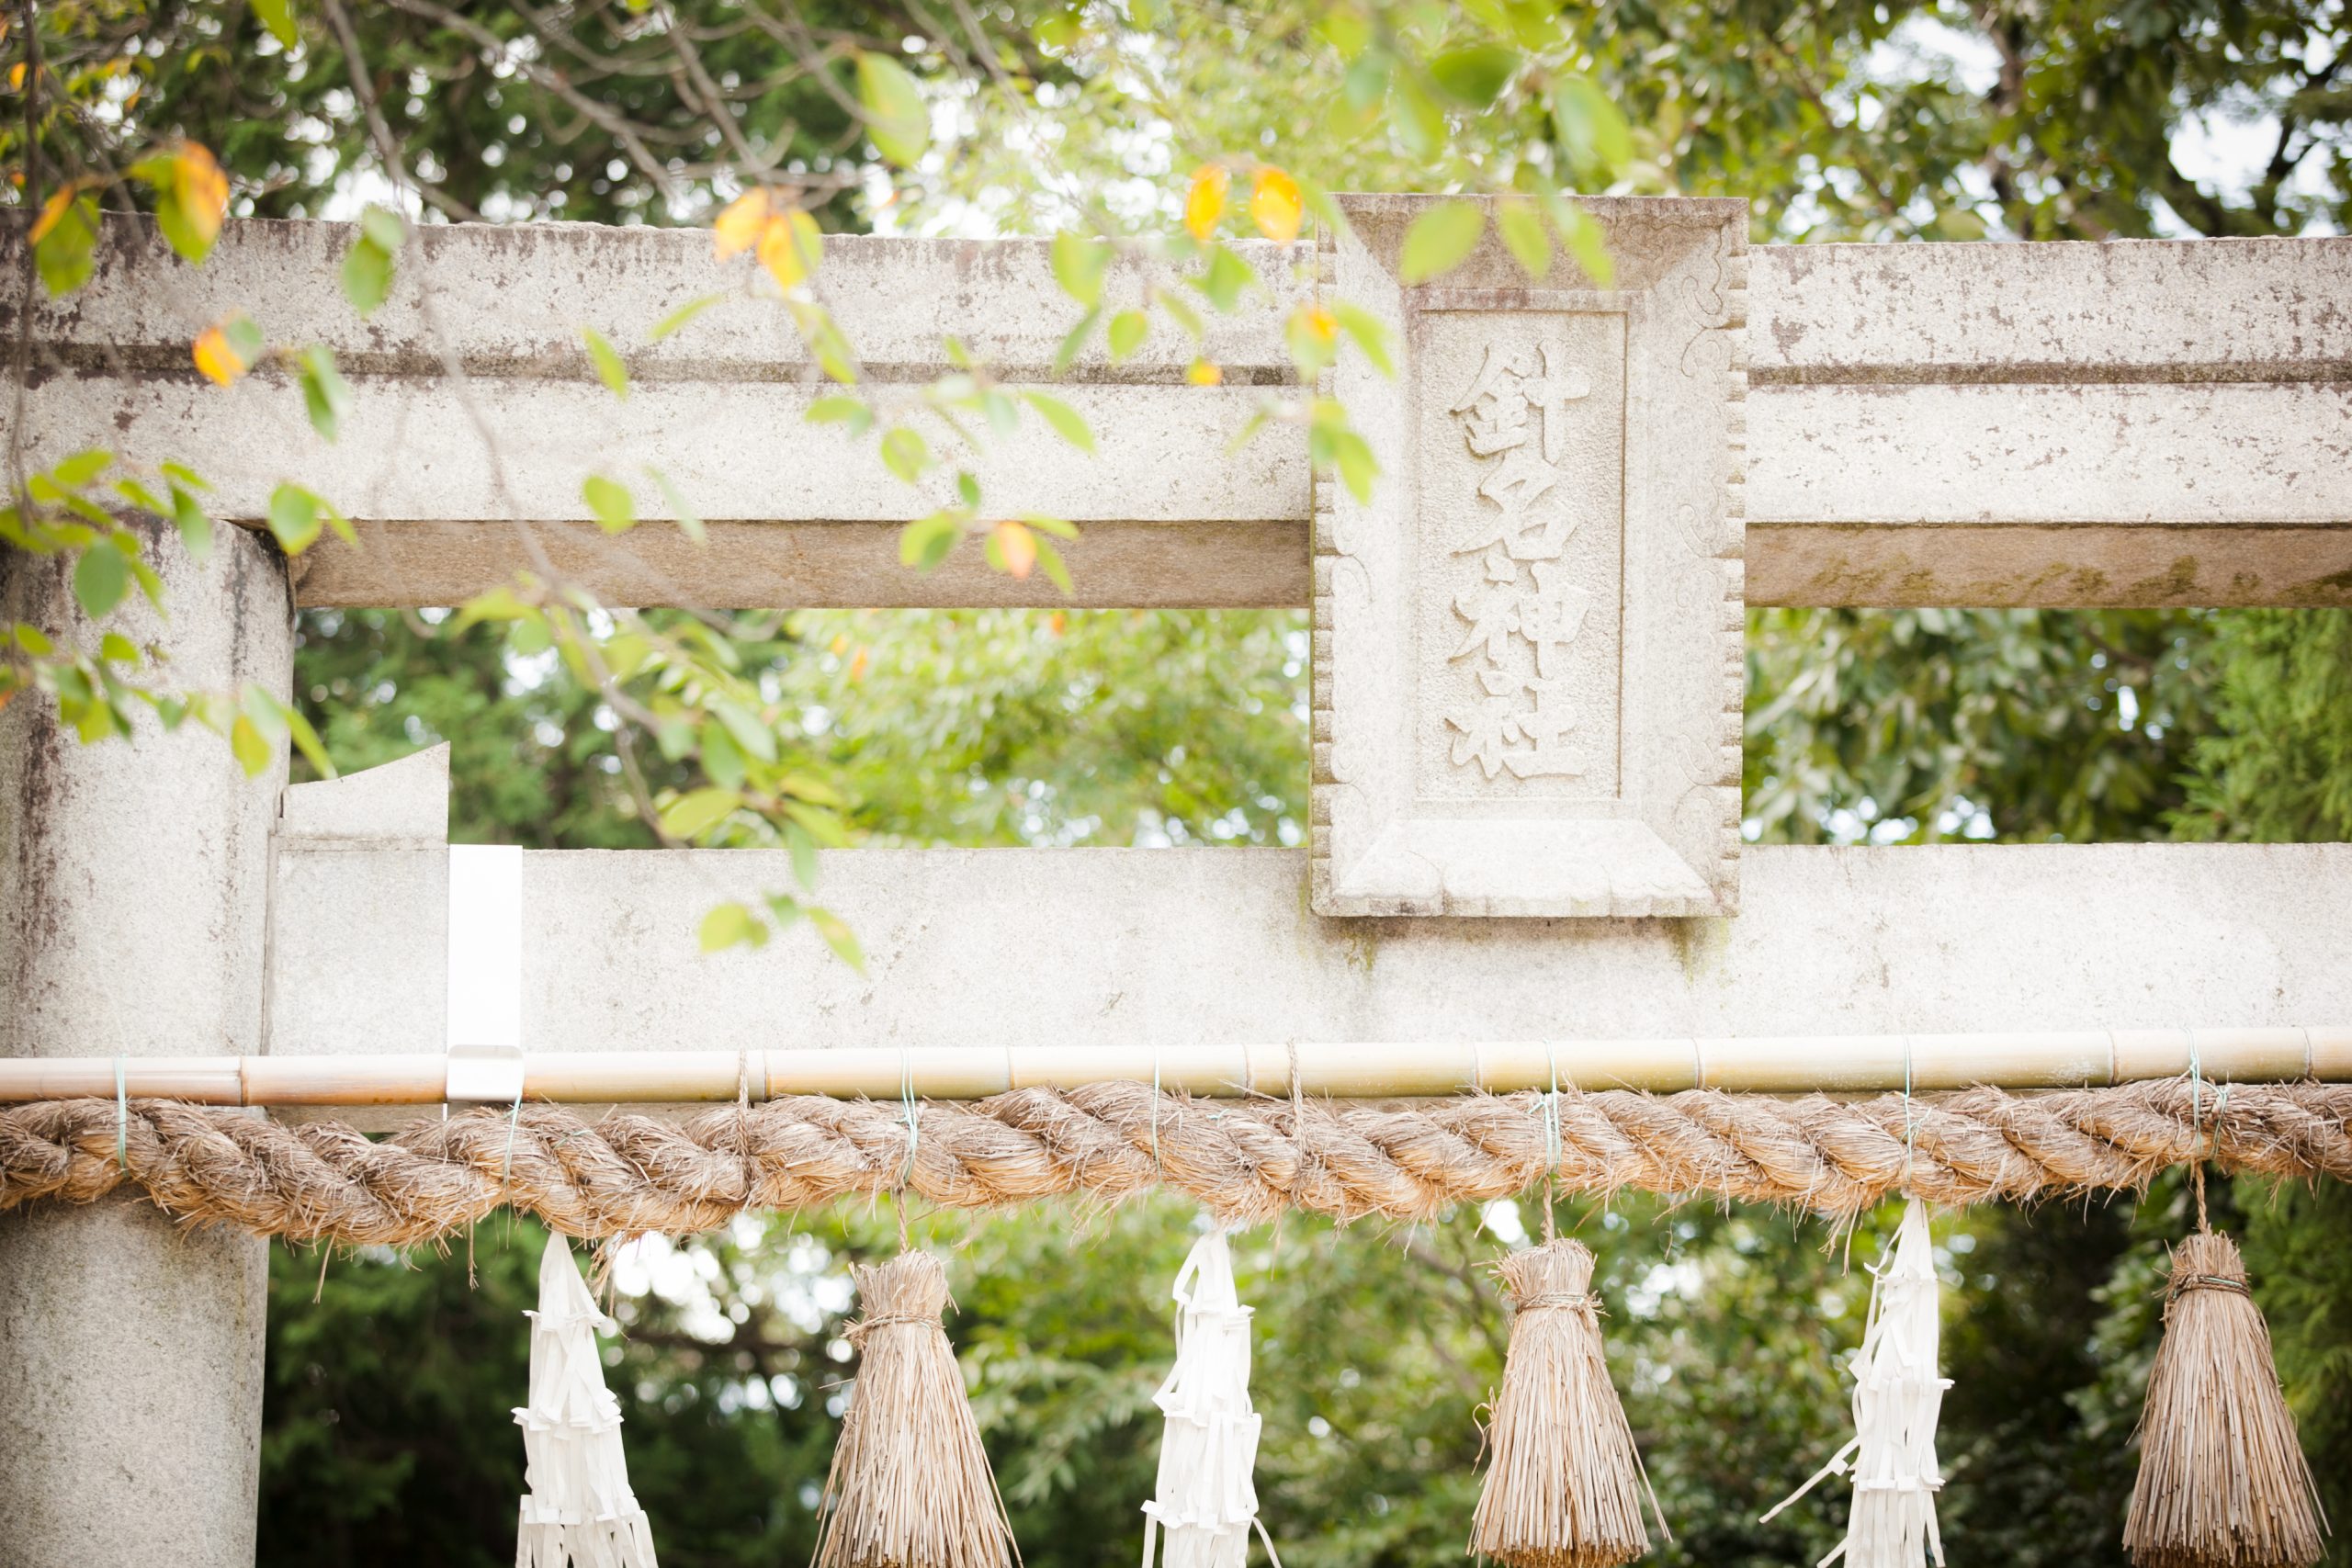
(1527, 671)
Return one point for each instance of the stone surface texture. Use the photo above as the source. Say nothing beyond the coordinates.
(2134, 423)
(1527, 670)
(133, 888)
(1216, 946)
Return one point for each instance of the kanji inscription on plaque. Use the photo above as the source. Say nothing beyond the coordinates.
(1527, 671)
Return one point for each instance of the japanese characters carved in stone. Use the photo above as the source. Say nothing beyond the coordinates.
(1527, 676)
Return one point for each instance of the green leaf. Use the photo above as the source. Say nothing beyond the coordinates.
(1059, 527)
(1068, 422)
(1128, 329)
(1227, 277)
(732, 925)
(118, 649)
(1079, 266)
(746, 729)
(100, 578)
(894, 115)
(277, 16)
(269, 716)
(1587, 240)
(615, 509)
(720, 757)
(1591, 129)
(1523, 232)
(905, 453)
(1181, 312)
(66, 253)
(1357, 466)
(531, 636)
(1370, 333)
(826, 825)
(253, 751)
(681, 316)
(244, 336)
(81, 468)
(385, 229)
(1475, 74)
(838, 937)
(1050, 559)
(1439, 239)
(366, 275)
(824, 338)
(1416, 122)
(338, 521)
(927, 541)
(140, 496)
(1004, 414)
(307, 742)
(494, 604)
(294, 519)
(696, 812)
(1074, 340)
(689, 521)
(804, 857)
(838, 409)
(325, 394)
(607, 361)
(196, 528)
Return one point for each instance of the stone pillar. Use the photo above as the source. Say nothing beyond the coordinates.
(133, 885)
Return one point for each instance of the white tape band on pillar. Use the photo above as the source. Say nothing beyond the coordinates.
(485, 973)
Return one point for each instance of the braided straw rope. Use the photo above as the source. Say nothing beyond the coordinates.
(1243, 1160)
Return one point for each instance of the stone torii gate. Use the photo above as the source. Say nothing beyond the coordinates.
(1526, 692)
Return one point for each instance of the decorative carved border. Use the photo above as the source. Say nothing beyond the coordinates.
(1666, 843)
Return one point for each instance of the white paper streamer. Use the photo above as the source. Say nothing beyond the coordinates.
(1206, 1502)
(578, 1512)
(1897, 1395)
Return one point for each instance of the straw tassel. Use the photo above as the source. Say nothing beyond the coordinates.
(579, 1510)
(1897, 1396)
(1205, 1501)
(1565, 1485)
(910, 1486)
(2223, 1482)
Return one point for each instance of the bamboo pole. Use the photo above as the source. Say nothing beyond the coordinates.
(1787, 1064)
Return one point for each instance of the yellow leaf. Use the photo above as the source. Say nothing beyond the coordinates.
(1018, 545)
(221, 364)
(788, 247)
(203, 188)
(52, 210)
(738, 227)
(857, 666)
(1275, 205)
(1205, 203)
(1324, 325)
(16, 76)
(1203, 374)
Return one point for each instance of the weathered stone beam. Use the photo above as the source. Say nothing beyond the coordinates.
(1200, 565)
(2063, 425)
(2070, 425)
(1000, 947)
(511, 301)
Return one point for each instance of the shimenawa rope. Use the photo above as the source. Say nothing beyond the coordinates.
(1243, 1160)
